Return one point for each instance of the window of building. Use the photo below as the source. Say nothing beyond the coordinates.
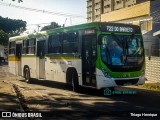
(134, 1)
(97, 10)
(118, 2)
(89, 18)
(96, 4)
(89, 9)
(12, 48)
(107, 6)
(96, 16)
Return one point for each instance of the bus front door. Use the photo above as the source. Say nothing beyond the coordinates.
(89, 60)
(18, 57)
(41, 58)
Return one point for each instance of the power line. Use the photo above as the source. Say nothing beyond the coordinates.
(43, 11)
(39, 24)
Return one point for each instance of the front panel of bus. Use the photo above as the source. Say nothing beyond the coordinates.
(121, 58)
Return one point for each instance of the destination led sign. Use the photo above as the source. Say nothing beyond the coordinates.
(119, 29)
(87, 32)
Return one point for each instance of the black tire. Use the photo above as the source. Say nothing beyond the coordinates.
(69, 76)
(27, 75)
(74, 80)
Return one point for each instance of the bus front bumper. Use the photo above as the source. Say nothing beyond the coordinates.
(104, 82)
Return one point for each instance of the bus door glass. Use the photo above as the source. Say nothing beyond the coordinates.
(18, 56)
(41, 56)
(89, 60)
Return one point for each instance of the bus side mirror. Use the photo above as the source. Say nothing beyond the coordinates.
(100, 40)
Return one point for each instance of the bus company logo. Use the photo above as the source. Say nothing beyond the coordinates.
(6, 114)
(21, 115)
(107, 91)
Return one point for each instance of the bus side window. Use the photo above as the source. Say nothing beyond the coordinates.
(70, 42)
(25, 47)
(41, 48)
(12, 47)
(31, 46)
(54, 44)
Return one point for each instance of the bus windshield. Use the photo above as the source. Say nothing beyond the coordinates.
(122, 49)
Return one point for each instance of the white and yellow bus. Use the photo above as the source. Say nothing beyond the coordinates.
(97, 55)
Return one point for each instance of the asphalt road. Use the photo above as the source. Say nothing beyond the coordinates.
(57, 101)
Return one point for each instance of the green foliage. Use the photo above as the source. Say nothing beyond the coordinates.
(9, 28)
(51, 26)
(18, 0)
(3, 38)
(12, 27)
(151, 86)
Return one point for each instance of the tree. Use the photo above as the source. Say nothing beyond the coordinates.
(18, 0)
(3, 38)
(12, 27)
(51, 26)
(9, 28)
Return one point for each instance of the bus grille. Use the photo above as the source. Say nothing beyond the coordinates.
(130, 81)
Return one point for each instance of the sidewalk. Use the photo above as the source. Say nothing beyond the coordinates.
(8, 99)
(151, 86)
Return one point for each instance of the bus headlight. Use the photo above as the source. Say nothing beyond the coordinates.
(106, 74)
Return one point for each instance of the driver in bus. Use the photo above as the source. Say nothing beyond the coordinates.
(116, 52)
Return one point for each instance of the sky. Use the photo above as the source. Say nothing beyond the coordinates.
(72, 7)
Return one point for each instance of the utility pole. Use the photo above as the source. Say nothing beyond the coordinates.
(38, 27)
(70, 21)
(64, 22)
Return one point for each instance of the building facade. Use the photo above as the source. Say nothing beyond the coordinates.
(95, 8)
(145, 13)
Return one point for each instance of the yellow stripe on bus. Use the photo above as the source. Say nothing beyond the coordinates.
(13, 58)
(65, 58)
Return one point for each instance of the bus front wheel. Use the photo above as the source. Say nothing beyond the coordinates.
(75, 84)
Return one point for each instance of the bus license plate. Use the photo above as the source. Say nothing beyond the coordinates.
(126, 84)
